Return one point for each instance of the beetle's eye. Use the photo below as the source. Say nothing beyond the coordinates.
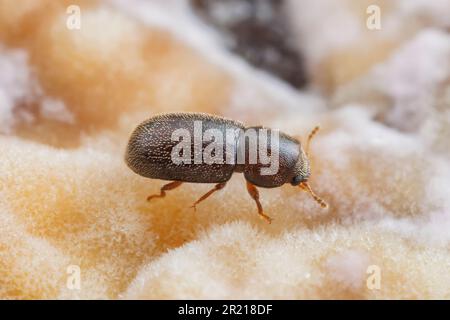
(296, 180)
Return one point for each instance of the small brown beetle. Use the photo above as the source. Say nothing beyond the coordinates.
(153, 151)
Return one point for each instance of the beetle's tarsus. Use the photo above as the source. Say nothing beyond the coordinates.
(253, 192)
(162, 193)
(217, 187)
(265, 217)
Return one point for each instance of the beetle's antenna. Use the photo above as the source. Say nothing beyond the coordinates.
(311, 135)
(305, 186)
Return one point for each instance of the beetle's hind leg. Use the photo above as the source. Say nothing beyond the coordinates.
(217, 187)
(255, 195)
(170, 186)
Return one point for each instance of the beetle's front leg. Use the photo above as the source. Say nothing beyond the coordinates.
(255, 195)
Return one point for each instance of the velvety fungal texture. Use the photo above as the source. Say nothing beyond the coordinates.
(74, 220)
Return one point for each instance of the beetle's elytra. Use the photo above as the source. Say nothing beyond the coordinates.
(151, 150)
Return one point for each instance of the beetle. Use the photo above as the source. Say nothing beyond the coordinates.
(150, 153)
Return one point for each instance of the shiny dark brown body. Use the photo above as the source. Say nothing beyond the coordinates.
(150, 147)
(149, 150)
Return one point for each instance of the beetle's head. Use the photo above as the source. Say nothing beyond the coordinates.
(301, 170)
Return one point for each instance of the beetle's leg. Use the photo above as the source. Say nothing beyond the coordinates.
(164, 188)
(253, 192)
(217, 187)
(310, 136)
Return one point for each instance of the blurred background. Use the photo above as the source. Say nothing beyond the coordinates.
(218, 56)
(76, 76)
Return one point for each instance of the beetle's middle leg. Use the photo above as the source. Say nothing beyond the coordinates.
(217, 187)
(255, 195)
(170, 186)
